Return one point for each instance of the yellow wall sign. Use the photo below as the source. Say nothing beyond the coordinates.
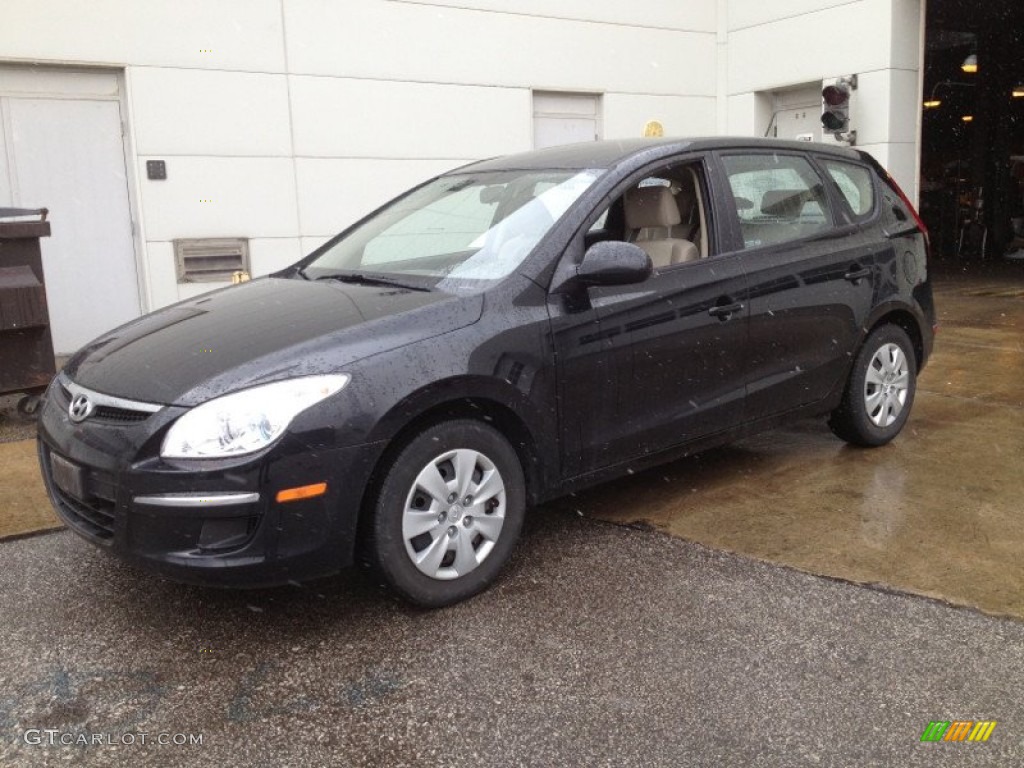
(653, 129)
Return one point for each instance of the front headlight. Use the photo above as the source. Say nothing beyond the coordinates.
(246, 421)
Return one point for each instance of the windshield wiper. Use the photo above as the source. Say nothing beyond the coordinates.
(358, 277)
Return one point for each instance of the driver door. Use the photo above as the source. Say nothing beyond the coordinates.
(650, 366)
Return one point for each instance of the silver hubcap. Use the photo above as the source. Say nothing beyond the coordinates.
(453, 514)
(886, 385)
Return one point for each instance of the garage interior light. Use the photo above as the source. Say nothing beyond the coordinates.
(933, 100)
(970, 64)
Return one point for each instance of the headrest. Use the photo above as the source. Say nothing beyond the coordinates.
(651, 207)
(784, 203)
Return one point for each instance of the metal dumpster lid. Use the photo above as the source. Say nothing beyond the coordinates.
(12, 213)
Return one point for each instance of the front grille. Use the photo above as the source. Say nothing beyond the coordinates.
(104, 413)
(94, 516)
(119, 415)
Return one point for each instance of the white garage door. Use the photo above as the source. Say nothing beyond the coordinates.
(66, 153)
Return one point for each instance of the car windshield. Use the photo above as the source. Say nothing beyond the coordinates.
(458, 233)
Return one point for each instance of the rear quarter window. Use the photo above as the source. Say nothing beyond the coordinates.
(855, 184)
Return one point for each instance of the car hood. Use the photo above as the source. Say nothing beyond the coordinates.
(261, 331)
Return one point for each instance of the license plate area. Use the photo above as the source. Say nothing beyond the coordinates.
(69, 477)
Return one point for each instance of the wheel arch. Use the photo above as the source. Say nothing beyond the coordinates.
(889, 314)
(485, 401)
(904, 318)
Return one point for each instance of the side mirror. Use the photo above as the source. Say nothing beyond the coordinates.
(614, 262)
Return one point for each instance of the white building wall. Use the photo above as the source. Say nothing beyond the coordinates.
(285, 120)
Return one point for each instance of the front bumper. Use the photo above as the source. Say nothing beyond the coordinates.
(212, 524)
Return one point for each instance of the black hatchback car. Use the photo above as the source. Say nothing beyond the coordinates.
(503, 334)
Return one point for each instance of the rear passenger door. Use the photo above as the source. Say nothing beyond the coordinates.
(810, 274)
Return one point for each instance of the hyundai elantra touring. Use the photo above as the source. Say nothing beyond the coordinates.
(500, 335)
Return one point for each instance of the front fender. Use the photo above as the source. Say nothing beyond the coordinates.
(514, 411)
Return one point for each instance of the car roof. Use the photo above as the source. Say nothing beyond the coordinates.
(614, 152)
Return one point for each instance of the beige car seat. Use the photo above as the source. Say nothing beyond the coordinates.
(655, 208)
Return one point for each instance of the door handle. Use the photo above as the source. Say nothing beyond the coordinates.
(725, 311)
(856, 274)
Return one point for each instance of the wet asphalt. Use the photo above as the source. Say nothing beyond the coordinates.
(602, 646)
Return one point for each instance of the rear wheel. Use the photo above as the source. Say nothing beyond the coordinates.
(448, 513)
(880, 391)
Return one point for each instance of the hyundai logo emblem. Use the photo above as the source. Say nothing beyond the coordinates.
(80, 408)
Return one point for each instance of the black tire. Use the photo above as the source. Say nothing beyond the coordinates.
(391, 555)
(853, 420)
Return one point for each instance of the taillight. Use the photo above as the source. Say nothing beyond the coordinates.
(910, 207)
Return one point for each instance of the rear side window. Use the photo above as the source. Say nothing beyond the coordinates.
(778, 198)
(854, 182)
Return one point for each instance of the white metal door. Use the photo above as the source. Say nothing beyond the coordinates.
(68, 155)
(564, 118)
(797, 113)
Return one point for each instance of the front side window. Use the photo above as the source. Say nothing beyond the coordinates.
(778, 198)
(664, 214)
(459, 232)
(854, 182)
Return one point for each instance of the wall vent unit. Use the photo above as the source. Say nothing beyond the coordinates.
(210, 260)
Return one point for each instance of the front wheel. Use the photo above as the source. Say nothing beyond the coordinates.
(448, 513)
(880, 391)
